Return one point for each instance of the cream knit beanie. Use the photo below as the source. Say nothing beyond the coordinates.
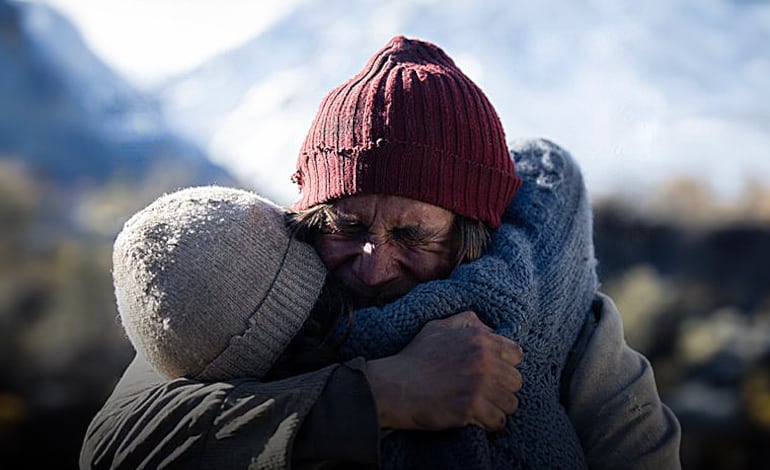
(210, 285)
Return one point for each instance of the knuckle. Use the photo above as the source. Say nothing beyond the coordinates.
(518, 353)
(467, 416)
(480, 363)
(468, 411)
(513, 404)
(484, 338)
(497, 422)
(502, 420)
(518, 380)
(475, 342)
(475, 407)
(469, 315)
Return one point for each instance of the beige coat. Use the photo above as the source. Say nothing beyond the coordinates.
(615, 406)
(329, 415)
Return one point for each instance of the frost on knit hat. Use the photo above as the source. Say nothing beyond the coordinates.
(410, 124)
(210, 284)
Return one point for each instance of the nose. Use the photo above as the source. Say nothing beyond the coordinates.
(376, 264)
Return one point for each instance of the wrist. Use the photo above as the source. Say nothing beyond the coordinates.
(386, 393)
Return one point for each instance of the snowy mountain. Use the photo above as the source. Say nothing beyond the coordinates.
(637, 95)
(70, 119)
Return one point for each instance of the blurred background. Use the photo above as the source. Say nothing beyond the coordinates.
(107, 104)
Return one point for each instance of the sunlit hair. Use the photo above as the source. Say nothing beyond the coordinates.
(470, 236)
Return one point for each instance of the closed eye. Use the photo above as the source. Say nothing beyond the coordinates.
(348, 226)
(411, 236)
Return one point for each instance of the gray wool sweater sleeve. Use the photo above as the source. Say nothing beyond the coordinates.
(615, 406)
(150, 422)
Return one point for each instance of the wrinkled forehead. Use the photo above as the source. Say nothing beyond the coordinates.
(392, 210)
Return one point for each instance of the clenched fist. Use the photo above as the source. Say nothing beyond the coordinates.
(455, 372)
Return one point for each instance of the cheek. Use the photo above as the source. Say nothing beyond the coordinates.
(427, 266)
(334, 252)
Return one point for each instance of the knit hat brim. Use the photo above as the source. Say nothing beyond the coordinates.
(416, 172)
(409, 124)
(294, 292)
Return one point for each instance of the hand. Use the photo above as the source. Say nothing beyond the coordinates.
(455, 372)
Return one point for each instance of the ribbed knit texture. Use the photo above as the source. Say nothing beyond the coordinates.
(210, 285)
(534, 285)
(409, 124)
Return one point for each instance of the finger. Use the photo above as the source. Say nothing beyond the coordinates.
(475, 321)
(490, 417)
(506, 383)
(515, 380)
(504, 396)
(466, 319)
(510, 351)
(508, 404)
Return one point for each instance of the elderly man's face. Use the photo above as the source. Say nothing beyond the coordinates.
(379, 247)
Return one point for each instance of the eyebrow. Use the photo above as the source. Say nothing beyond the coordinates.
(339, 215)
(335, 215)
(335, 219)
(419, 232)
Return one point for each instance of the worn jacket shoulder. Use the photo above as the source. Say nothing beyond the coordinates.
(614, 401)
(151, 422)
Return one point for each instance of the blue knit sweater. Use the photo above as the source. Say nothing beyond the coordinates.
(534, 285)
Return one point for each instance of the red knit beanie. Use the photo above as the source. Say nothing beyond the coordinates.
(409, 124)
